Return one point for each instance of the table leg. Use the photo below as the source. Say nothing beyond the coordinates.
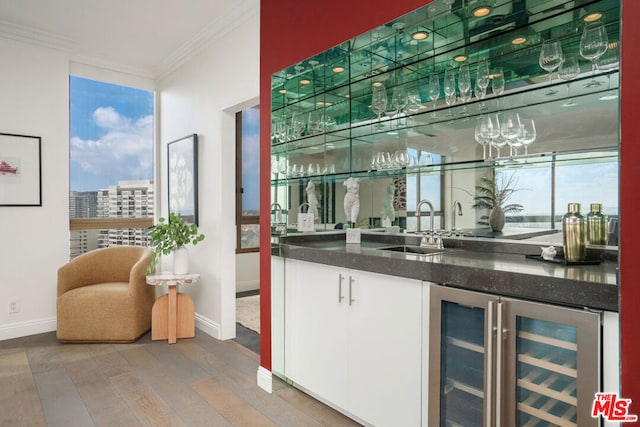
(173, 311)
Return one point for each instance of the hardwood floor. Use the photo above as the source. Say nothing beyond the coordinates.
(196, 382)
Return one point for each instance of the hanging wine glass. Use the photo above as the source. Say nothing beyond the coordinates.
(510, 130)
(593, 44)
(434, 90)
(379, 102)
(449, 85)
(550, 58)
(527, 133)
(569, 70)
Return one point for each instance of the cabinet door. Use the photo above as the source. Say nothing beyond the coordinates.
(461, 357)
(318, 326)
(385, 332)
(552, 365)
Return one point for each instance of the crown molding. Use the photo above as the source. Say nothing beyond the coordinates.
(146, 73)
(37, 37)
(243, 11)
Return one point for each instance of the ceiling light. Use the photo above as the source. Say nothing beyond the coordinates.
(377, 84)
(420, 35)
(592, 17)
(518, 40)
(609, 97)
(282, 91)
(323, 103)
(460, 58)
(305, 81)
(338, 69)
(481, 11)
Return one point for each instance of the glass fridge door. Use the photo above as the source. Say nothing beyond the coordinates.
(554, 369)
(461, 339)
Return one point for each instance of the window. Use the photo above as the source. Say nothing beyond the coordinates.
(248, 180)
(111, 197)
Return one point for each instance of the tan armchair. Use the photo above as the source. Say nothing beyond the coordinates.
(103, 296)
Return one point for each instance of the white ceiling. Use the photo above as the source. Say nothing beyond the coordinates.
(144, 37)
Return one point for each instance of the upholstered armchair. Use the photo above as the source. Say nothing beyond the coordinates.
(103, 296)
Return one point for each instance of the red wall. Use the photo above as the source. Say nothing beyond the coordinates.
(292, 30)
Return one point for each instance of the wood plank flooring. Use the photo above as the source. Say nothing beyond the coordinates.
(196, 382)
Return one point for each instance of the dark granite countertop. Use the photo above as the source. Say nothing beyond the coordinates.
(483, 265)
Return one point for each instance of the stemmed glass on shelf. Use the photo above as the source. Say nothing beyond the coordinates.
(569, 69)
(297, 124)
(464, 86)
(414, 102)
(450, 87)
(490, 131)
(510, 130)
(527, 133)
(434, 90)
(550, 58)
(482, 81)
(497, 84)
(480, 139)
(593, 44)
(399, 100)
(379, 102)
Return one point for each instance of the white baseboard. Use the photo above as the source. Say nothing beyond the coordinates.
(23, 329)
(264, 379)
(208, 326)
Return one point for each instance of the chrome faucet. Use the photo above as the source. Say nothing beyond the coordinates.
(430, 240)
(277, 210)
(302, 205)
(457, 205)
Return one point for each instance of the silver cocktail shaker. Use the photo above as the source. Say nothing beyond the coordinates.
(596, 225)
(574, 230)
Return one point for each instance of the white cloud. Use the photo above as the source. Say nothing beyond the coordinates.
(123, 152)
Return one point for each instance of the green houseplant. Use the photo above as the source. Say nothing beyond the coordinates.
(168, 237)
(492, 193)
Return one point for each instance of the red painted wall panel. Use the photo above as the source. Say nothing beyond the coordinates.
(292, 30)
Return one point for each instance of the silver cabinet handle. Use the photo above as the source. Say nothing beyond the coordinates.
(340, 297)
(489, 366)
(351, 299)
(501, 335)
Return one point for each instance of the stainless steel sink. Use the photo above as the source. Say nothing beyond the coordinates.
(409, 249)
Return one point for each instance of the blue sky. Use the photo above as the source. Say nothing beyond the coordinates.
(251, 159)
(111, 134)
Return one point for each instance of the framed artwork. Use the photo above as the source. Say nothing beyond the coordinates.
(20, 170)
(182, 155)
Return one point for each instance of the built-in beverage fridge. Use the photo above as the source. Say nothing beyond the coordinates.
(503, 362)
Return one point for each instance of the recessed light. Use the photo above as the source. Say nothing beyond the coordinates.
(460, 58)
(338, 69)
(481, 11)
(282, 91)
(305, 81)
(420, 35)
(518, 40)
(592, 17)
(609, 97)
(377, 84)
(323, 103)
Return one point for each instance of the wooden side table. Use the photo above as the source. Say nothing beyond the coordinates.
(172, 315)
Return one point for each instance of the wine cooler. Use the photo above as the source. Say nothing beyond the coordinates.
(502, 362)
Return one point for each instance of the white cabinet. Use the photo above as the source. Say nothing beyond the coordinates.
(354, 339)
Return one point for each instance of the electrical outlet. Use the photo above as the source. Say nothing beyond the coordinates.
(14, 306)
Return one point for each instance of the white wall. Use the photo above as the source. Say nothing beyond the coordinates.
(202, 97)
(34, 242)
(247, 272)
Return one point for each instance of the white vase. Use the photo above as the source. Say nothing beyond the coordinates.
(181, 261)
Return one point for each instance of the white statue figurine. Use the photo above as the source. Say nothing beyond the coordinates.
(312, 199)
(388, 215)
(352, 199)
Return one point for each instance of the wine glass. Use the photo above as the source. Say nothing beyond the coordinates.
(497, 81)
(550, 58)
(450, 87)
(490, 129)
(482, 81)
(297, 124)
(316, 122)
(527, 133)
(464, 79)
(379, 102)
(569, 69)
(479, 137)
(434, 90)
(593, 44)
(399, 100)
(510, 130)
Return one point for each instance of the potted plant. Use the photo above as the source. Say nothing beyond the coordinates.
(492, 193)
(171, 237)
